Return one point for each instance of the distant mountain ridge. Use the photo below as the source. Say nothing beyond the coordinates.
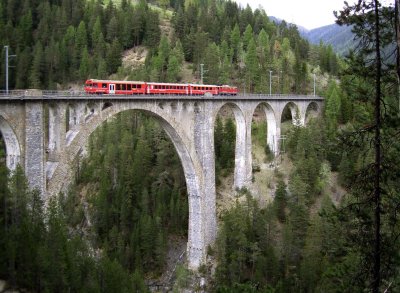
(340, 37)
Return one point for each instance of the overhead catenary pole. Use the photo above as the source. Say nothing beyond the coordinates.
(6, 47)
(201, 73)
(314, 84)
(270, 80)
(7, 66)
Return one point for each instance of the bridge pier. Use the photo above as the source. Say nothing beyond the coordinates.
(34, 146)
(57, 131)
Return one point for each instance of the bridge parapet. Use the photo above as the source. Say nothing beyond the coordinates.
(81, 95)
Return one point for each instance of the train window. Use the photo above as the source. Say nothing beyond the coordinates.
(104, 86)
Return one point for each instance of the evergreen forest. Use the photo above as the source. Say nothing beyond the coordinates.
(59, 43)
(331, 223)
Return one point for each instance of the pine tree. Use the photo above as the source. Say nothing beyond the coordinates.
(36, 72)
(247, 36)
(212, 64)
(114, 56)
(84, 67)
(235, 42)
(173, 69)
(252, 66)
(280, 201)
(370, 22)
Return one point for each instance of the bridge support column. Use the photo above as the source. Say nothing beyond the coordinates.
(203, 213)
(34, 146)
(76, 115)
(241, 149)
(276, 134)
(248, 166)
(302, 112)
(57, 131)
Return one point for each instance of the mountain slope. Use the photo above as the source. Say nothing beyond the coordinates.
(340, 37)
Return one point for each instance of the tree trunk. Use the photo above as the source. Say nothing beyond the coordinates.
(377, 146)
(397, 24)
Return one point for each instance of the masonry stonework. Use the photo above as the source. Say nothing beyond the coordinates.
(189, 121)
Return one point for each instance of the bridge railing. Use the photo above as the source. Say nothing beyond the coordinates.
(12, 93)
(48, 94)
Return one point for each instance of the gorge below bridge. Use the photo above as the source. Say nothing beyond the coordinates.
(46, 132)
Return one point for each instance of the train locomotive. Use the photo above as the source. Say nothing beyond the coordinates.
(118, 87)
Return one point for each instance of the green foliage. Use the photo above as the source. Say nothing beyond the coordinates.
(225, 139)
(39, 253)
(140, 197)
(280, 201)
(137, 198)
(65, 41)
(246, 251)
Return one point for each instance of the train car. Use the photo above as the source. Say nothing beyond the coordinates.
(226, 90)
(111, 87)
(117, 87)
(202, 89)
(157, 88)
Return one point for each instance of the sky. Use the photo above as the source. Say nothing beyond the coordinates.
(306, 13)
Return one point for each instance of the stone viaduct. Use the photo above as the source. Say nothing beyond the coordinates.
(38, 136)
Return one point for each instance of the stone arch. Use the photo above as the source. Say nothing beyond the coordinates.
(312, 110)
(240, 173)
(106, 105)
(13, 149)
(295, 111)
(272, 125)
(190, 163)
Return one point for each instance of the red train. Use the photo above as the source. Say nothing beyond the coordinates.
(118, 87)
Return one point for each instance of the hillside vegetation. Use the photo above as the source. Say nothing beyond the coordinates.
(70, 41)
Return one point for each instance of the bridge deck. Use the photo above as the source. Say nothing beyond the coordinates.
(80, 95)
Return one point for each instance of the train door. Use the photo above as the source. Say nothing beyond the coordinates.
(111, 88)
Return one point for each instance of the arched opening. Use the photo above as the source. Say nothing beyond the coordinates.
(290, 117)
(2, 151)
(106, 105)
(230, 147)
(144, 185)
(312, 111)
(265, 139)
(12, 148)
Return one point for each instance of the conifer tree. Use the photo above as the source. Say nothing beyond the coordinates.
(36, 72)
(280, 201)
(252, 65)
